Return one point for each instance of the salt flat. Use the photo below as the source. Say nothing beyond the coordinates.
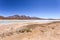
(14, 21)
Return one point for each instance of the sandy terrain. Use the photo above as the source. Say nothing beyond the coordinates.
(30, 31)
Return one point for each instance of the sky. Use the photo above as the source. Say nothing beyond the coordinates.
(37, 8)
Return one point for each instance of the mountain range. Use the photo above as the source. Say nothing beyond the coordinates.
(20, 17)
(24, 17)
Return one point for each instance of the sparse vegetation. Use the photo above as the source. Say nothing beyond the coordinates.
(9, 33)
(23, 30)
(28, 30)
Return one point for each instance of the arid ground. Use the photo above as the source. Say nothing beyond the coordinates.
(30, 31)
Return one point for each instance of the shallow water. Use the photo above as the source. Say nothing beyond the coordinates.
(14, 21)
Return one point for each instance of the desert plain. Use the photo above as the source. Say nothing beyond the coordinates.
(30, 31)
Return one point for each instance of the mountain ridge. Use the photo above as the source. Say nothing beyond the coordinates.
(24, 17)
(21, 17)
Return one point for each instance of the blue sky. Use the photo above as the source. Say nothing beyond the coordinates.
(38, 8)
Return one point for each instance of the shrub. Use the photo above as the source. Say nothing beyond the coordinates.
(28, 30)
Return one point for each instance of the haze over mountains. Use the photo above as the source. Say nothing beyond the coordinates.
(24, 17)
